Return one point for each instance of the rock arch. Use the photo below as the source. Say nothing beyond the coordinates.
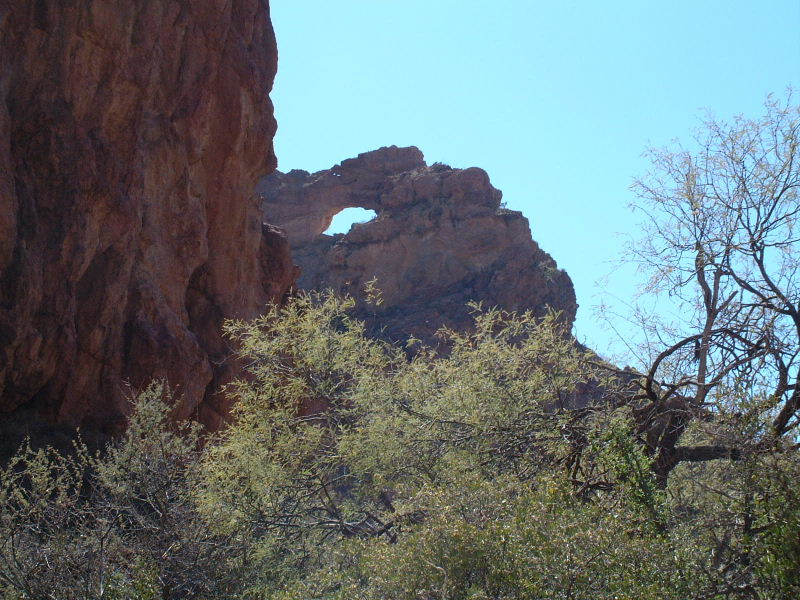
(346, 218)
(440, 239)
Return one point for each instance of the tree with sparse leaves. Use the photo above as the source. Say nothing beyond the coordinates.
(722, 239)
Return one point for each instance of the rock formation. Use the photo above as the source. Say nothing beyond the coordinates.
(439, 240)
(132, 133)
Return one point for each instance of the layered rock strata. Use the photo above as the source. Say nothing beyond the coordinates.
(440, 239)
(132, 133)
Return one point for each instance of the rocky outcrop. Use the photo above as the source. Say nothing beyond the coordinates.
(439, 240)
(132, 133)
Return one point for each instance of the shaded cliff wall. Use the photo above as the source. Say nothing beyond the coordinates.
(440, 239)
(132, 133)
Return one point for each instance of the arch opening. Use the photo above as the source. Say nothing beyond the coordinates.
(346, 218)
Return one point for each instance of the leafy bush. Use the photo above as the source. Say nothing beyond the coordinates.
(351, 471)
(470, 475)
(119, 525)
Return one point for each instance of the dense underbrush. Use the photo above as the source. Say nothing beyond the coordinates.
(350, 471)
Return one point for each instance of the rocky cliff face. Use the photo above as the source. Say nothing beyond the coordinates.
(439, 240)
(132, 133)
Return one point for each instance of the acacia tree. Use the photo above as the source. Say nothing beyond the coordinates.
(722, 240)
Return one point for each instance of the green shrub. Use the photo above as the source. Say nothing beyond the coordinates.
(353, 472)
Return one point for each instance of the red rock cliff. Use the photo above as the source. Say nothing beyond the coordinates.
(132, 133)
(440, 240)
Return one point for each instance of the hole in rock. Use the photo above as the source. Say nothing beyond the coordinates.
(348, 217)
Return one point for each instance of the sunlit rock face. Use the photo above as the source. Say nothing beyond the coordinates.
(132, 133)
(440, 240)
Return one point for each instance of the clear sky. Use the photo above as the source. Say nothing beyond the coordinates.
(556, 100)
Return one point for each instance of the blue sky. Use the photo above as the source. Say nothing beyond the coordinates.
(555, 100)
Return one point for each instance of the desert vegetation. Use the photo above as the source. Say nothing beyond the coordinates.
(350, 470)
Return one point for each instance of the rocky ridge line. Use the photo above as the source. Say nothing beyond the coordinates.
(440, 239)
